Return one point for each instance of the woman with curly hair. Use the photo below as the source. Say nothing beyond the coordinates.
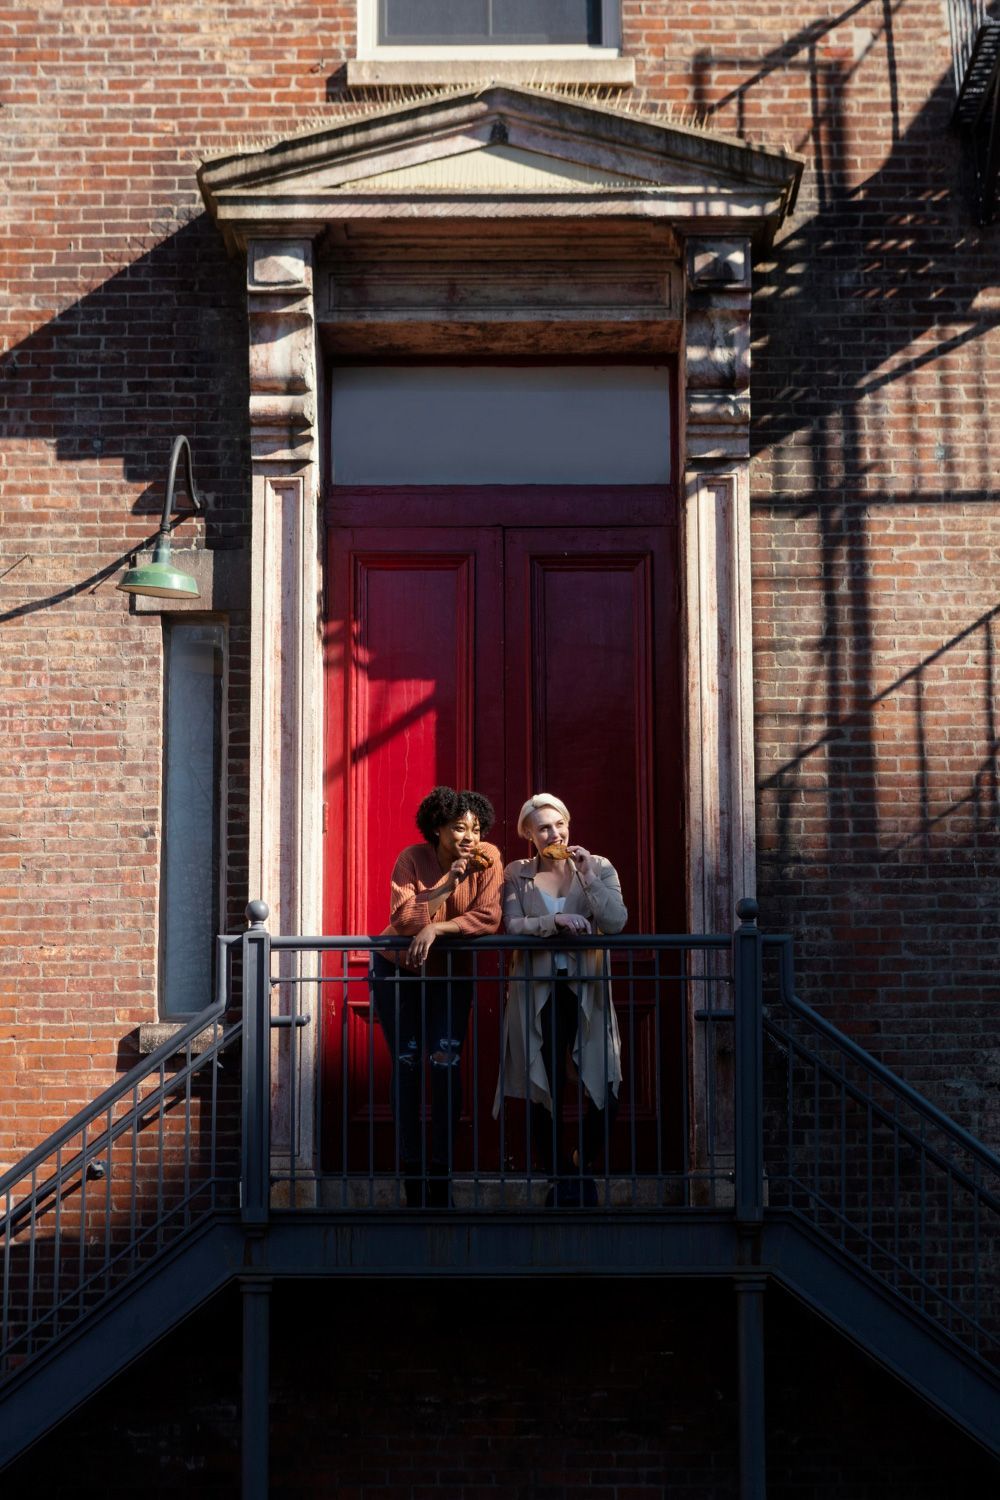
(448, 884)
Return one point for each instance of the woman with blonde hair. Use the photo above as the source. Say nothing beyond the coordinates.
(559, 1000)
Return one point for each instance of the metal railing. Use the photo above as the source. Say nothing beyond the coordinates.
(151, 1157)
(905, 1193)
(721, 1103)
(399, 1121)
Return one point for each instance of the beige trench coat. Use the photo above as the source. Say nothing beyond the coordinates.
(525, 914)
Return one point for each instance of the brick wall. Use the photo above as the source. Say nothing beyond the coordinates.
(875, 527)
(543, 1390)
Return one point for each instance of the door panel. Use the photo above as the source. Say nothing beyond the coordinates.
(591, 698)
(593, 710)
(413, 700)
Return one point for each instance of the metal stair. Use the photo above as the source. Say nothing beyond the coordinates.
(883, 1326)
(153, 1301)
(977, 116)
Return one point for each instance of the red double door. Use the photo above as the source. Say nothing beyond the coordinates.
(509, 658)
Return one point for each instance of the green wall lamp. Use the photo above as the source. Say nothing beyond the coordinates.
(158, 578)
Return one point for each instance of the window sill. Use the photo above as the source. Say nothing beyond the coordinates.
(153, 1034)
(605, 72)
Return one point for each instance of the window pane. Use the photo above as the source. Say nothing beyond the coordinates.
(423, 21)
(491, 424)
(555, 21)
(465, 22)
(189, 907)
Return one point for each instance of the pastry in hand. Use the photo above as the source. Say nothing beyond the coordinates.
(479, 860)
(556, 851)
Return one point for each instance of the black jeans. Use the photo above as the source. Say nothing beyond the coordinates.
(559, 1019)
(422, 1018)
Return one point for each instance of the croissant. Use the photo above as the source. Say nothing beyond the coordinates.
(556, 851)
(479, 860)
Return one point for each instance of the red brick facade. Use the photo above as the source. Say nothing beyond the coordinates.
(875, 529)
(876, 524)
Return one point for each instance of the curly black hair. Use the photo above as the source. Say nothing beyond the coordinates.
(444, 804)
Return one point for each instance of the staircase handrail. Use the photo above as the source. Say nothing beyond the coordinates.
(871, 1064)
(110, 1096)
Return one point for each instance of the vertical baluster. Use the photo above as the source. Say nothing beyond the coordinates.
(870, 1173)
(421, 983)
(82, 1248)
(395, 1090)
(293, 1078)
(475, 1078)
(160, 1152)
(345, 1040)
(108, 1174)
(32, 1228)
(213, 1107)
(923, 1214)
(134, 1184)
(975, 1254)
(789, 1121)
(57, 1244)
(632, 1094)
(895, 1191)
(658, 1114)
(319, 1050)
(449, 1001)
(7, 1234)
(581, 1093)
(527, 971)
(815, 1143)
(707, 990)
(503, 1000)
(843, 1162)
(949, 1240)
(188, 1077)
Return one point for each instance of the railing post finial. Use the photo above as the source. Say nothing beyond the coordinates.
(257, 913)
(748, 910)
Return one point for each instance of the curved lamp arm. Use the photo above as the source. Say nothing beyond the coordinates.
(180, 443)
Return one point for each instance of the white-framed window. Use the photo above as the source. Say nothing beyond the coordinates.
(192, 861)
(488, 29)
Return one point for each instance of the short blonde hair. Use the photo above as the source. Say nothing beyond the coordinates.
(540, 799)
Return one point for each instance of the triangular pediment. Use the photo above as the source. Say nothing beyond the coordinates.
(497, 168)
(443, 156)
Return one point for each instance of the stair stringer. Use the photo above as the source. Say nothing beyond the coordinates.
(146, 1308)
(886, 1327)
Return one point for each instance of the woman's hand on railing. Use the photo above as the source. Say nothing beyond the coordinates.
(571, 921)
(417, 952)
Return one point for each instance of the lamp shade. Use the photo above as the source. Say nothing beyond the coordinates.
(159, 579)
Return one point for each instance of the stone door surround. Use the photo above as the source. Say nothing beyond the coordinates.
(497, 221)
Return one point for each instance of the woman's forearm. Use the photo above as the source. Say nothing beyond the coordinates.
(438, 895)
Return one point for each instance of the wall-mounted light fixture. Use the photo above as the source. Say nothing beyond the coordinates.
(158, 578)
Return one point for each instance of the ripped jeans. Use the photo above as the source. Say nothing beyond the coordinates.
(434, 1029)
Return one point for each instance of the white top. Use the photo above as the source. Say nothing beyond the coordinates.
(555, 904)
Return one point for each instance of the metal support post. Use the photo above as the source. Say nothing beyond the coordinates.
(750, 1341)
(749, 1007)
(256, 1184)
(256, 1419)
